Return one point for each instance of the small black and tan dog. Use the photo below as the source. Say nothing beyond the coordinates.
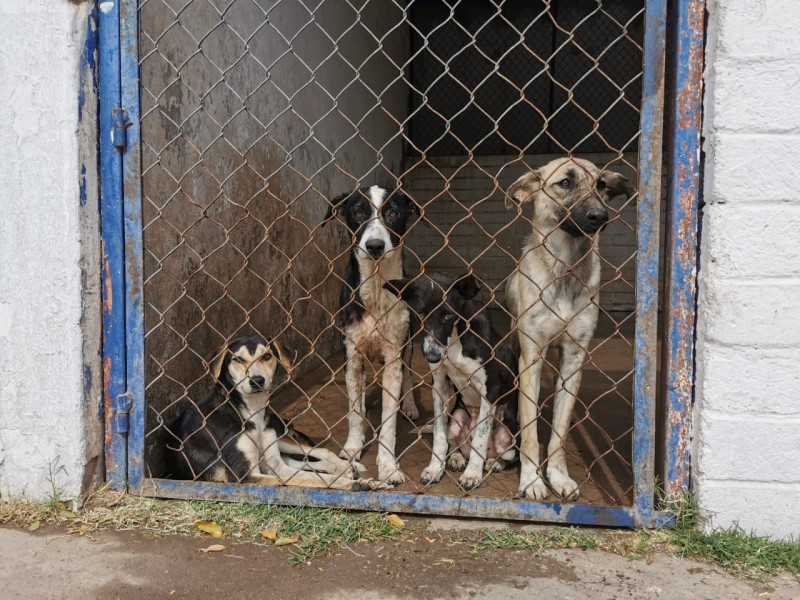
(232, 435)
(464, 351)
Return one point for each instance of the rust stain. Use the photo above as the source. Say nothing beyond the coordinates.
(109, 407)
(107, 303)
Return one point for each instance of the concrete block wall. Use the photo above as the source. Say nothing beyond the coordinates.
(746, 454)
(50, 421)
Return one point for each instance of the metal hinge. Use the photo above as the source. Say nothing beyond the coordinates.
(121, 421)
(119, 137)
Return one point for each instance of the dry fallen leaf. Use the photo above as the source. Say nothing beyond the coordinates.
(650, 559)
(448, 561)
(81, 530)
(34, 526)
(209, 527)
(67, 514)
(269, 534)
(396, 521)
(285, 541)
(430, 540)
(214, 548)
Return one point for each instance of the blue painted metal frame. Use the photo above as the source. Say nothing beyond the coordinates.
(681, 246)
(123, 313)
(113, 252)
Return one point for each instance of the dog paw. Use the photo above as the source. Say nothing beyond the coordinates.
(431, 475)
(494, 465)
(368, 485)
(409, 408)
(563, 485)
(534, 490)
(391, 474)
(470, 479)
(456, 462)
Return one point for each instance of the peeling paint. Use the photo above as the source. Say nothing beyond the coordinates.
(106, 7)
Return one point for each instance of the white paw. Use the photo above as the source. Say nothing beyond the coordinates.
(456, 461)
(409, 407)
(470, 479)
(533, 490)
(368, 485)
(390, 473)
(562, 484)
(494, 465)
(431, 475)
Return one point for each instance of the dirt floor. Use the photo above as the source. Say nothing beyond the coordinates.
(599, 443)
(136, 566)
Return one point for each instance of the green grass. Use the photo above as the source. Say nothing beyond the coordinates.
(734, 549)
(321, 530)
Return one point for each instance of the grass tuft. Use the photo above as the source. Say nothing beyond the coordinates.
(511, 539)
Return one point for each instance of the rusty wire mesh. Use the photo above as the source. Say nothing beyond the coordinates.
(256, 113)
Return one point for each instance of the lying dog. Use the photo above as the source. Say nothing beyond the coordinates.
(375, 325)
(553, 296)
(463, 350)
(231, 435)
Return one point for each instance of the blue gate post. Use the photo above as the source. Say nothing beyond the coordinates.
(681, 247)
(112, 138)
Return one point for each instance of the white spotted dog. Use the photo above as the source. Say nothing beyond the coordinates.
(464, 351)
(233, 436)
(554, 297)
(375, 324)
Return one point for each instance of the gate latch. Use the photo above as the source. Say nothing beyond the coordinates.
(118, 134)
(121, 412)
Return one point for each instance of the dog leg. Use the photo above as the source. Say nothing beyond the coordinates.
(439, 393)
(354, 377)
(570, 372)
(409, 406)
(473, 474)
(323, 459)
(388, 468)
(318, 481)
(531, 484)
(458, 432)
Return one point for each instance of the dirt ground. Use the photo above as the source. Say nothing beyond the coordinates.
(130, 565)
(599, 442)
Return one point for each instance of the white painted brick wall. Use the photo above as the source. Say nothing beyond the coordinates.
(747, 416)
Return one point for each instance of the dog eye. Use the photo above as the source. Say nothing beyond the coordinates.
(266, 357)
(565, 183)
(391, 213)
(601, 185)
(238, 359)
(358, 213)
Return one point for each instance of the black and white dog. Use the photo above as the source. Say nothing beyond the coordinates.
(464, 351)
(232, 435)
(374, 323)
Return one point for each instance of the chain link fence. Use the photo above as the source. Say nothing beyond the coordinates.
(255, 114)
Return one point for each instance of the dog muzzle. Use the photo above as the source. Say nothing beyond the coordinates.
(432, 350)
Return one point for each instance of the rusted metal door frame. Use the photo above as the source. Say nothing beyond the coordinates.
(123, 342)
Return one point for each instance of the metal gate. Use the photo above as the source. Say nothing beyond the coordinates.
(230, 125)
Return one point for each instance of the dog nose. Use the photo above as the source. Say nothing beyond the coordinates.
(375, 247)
(597, 216)
(258, 380)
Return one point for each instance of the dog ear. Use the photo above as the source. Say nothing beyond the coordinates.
(399, 287)
(286, 356)
(467, 286)
(523, 189)
(218, 361)
(617, 184)
(333, 206)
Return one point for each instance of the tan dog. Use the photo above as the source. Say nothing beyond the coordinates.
(553, 296)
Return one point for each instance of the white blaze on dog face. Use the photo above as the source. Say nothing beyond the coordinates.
(252, 373)
(375, 239)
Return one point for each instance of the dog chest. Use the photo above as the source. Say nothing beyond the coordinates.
(379, 337)
(467, 374)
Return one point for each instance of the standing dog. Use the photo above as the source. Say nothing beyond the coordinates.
(553, 296)
(375, 324)
(463, 350)
(231, 435)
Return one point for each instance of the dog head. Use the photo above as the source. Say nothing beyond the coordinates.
(248, 364)
(570, 194)
(439, 301)
(377, 218)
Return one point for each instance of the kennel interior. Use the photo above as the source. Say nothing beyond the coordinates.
(254, 113)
